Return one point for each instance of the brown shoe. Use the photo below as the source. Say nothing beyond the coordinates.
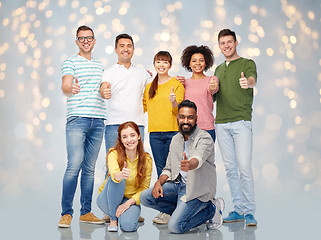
(106, 218)
(65, 221)
(90, 218)
(141, 219)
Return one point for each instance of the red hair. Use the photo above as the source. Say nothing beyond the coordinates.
(121, 153)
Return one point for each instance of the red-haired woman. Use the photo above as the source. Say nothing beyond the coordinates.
(130, 169)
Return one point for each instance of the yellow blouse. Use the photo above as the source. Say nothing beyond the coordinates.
(131, 191)
(161, 114)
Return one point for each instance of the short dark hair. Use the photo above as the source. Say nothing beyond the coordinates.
(226, 32)
(84, 28)
(187, 103)
(191, 50)
(123, 35)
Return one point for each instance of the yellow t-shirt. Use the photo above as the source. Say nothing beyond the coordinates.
(131, 191)
(161, 114)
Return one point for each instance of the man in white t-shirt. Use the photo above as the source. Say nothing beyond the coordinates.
(123, 86)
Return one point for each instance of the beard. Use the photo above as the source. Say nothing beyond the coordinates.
(187, 132)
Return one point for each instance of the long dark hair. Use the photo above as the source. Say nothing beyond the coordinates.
(121, 153)
(163, 56)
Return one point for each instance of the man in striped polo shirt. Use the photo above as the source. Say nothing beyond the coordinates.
(86, 112)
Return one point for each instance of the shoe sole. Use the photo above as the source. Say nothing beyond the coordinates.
(63, 225)
(251, 224)
(231, 221)
(98, 223)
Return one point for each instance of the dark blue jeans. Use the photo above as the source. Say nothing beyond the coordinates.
(159, 143)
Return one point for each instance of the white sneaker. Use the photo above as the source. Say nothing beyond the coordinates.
(217, 221)
(161, 218)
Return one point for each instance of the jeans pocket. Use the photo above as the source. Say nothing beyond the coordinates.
(72, 119)
(247, 124)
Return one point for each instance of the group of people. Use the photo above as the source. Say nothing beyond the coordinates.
(111, 104)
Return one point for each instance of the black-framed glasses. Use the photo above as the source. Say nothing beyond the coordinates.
(82, 39)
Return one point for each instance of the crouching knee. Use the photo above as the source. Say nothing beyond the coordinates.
(128, 226)
(174, 227)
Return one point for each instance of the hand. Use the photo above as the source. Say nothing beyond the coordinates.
(106, 92)
(122, 208)
(157, 190)
(75, 88)
(213, 85)
(184, 163)
(181, 79)
(244, 83)
(125, 171)
(172, 96)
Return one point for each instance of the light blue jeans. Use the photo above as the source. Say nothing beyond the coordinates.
(159, 143)
(110, 198)
(83, 139)
(111, 135)
(235, 142)
(184, 215)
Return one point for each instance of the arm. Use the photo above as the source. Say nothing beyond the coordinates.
(179, 97)
(123, 207)
(69, 87)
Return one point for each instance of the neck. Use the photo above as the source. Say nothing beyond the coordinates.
(131, 154)
(163, 78)
(85, 55)
(126, 64)
(231, 58)
(186, 137)
(198, 75)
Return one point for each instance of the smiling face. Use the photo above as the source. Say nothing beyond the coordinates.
(197, 63)
(124, 50)
(86, 46)
(162, 66)
(186, 119)
(129, 138)
(227, 45)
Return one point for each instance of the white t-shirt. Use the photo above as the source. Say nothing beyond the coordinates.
(127, 89)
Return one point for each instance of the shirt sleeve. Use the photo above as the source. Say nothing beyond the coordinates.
(145, 97)
(250, 70)
(203, 149)
(113, 166)
(146, 182)
(179, 92)
(68, 68)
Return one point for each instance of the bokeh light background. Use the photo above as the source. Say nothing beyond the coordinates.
(281, 36)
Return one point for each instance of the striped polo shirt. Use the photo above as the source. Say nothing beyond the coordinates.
(88, 102)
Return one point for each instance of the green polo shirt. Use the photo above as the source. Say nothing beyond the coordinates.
(232, 102)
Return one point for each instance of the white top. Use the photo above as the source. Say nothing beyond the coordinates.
(88, 102)
(127, 88)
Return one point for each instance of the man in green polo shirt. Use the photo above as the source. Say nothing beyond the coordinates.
(237, 77)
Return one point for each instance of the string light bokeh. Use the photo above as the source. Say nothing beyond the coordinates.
(282, 37)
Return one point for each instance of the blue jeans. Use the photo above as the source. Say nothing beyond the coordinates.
(110, 198)
(111, 135)
(235, 142)
(212, 133)
(83, 139)
(159, 143)
(184, 215)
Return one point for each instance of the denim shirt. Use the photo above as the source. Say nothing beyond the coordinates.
(201, 181)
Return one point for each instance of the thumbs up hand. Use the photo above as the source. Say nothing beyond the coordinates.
(125, 171)
(75, 88)
(172, 96)
(106, 92)
(213, 85)
(184, 163)
(244, 83)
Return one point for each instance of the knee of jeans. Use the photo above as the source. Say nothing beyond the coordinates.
(174, 227)
(127, 225)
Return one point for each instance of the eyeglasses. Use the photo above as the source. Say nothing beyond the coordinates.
(82, 39)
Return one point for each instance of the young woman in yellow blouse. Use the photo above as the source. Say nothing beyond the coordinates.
(130, 169)
(161, 99)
